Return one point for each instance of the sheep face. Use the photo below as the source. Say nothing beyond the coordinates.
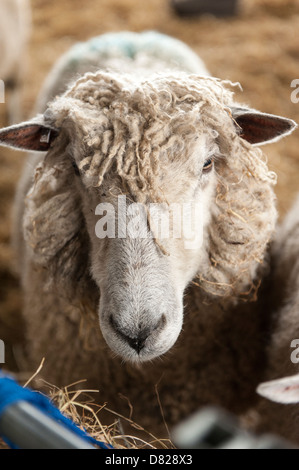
(137, 154)
(149, 162)
(142, 272)
(117, 148)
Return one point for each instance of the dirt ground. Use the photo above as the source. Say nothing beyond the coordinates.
(259, 48)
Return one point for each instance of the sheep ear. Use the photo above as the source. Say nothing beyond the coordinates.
(260, 128)
(284, 390)
(28, 136)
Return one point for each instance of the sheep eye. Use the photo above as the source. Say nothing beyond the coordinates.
(76, 169)
(208, 165)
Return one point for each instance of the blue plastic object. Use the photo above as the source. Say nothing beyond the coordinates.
(28, 419)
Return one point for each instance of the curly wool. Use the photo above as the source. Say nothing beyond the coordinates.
(245, 207)
(166, 114)
(133, 129)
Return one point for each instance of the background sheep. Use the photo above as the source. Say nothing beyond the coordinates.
(281, 292)
(14, 35)
(182, 129)
(285, 390)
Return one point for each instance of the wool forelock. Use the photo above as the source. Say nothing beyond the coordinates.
(137, 126)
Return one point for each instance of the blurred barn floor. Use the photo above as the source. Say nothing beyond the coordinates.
(259, 48)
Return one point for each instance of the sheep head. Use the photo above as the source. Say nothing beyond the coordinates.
(166, 142)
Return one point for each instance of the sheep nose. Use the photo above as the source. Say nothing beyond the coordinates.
(137, 341)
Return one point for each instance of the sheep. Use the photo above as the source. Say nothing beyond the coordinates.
(280, 379)
(14, 34)
(160, 326)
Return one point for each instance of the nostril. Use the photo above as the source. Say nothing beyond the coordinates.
(161, 323)
(137, 342)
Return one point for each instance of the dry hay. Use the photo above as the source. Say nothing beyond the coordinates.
(81, 406)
